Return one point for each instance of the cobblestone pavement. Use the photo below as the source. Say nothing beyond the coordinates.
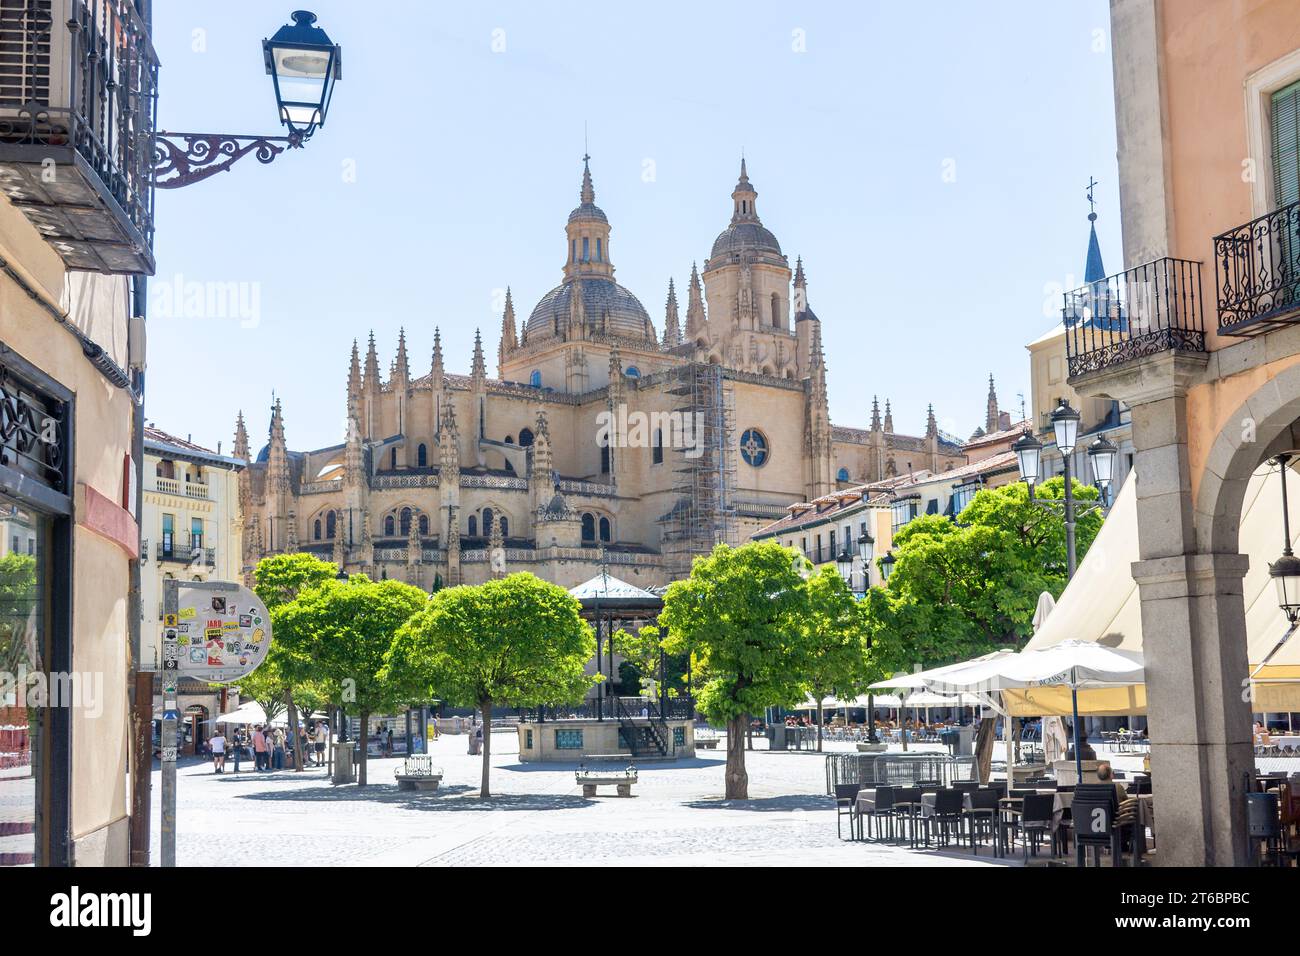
(537, 815)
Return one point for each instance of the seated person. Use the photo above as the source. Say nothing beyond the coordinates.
(1085, 749)
(1105, 774)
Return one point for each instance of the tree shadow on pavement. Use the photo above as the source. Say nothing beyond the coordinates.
(450, 798)
(650, 766)
(796, 801)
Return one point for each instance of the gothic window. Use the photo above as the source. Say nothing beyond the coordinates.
(487, 520)
(598, 259)
(843, 474)
(422, 455)
(510, 440)
(586, 249)
(604, 457)
(389, 527)
(424, 524)
(632, 372)
(331, 520)
(525, 437)
(588, 527)
(505, 525)
(535, 380)
(657, 453)
(392, 458)
(406, 521)
(605, 530)
(473, 526)
(753, 448)
(317, 532)
(776, 310)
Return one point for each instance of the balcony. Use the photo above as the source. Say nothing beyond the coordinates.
(1257, 273)
(185, 549)
(1149, 309)
(181, 489)
(78, 95)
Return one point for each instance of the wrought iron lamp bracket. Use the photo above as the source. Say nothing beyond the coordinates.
(182, 159)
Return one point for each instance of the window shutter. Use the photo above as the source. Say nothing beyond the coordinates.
(1286, 145)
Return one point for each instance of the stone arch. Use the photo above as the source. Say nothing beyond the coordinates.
(1271, 417)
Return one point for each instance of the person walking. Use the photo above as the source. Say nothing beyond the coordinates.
(260, 755)
(322, 738)
(217, 744)
(277, 758)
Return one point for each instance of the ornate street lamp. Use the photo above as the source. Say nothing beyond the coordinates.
(1029, 452)
(1065, 423)
(303, 64)
(866, 547)
(1285, 571)
(887, 565)
(1103, 454)
(845, 563)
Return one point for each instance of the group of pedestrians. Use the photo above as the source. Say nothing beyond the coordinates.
(270, 747)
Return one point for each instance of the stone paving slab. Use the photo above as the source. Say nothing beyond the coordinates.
(537, 816)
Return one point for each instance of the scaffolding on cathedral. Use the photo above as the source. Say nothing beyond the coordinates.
(704, 512)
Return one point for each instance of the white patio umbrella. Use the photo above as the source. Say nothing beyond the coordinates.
(1072, 664)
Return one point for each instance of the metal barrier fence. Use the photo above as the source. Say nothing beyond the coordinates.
(870, 770)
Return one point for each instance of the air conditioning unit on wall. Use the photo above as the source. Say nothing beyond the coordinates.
(35, 63)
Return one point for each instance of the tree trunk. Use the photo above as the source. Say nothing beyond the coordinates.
(293, 728)
(365, 747)
(819, 724)
(737, 778)
(749, 731)
(984, 751)
(486, 709)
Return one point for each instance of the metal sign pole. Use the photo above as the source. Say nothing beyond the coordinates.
(170, 716)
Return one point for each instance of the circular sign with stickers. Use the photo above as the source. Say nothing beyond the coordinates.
(215, 635)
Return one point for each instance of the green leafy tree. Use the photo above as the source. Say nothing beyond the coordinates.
(18, 600)
(962, 588)
(349, 628)
(738, 615)
(642, 653)
(277, 581)
(517, 639)
(834, 631)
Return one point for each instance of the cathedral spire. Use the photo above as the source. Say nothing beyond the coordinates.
(478, 368)
(931, 426)
(241, 437)
(401, 368)
(372, 366)
(509, 339)
(800, 288)
(672, 328)
(875, 413)
(354, 379)
(992, 417)
(588, 194)
(1093, 270)
(743, 198)
(889, 419)
(696, 323)
(436, 370)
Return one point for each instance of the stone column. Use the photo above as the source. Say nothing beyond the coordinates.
(1193, 627)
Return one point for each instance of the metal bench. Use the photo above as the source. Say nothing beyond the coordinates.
(621, 780)
(418, 773)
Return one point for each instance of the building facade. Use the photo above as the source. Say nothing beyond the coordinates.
(75, 228)
(603, 439)
(190, 531)
(1200, 338)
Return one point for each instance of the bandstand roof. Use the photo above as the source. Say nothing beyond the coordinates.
(607, 593)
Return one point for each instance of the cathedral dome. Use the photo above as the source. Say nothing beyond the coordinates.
(605, 304)
(745, 237)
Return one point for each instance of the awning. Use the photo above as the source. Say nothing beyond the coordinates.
(920, 680)
(1102, 604)
(926, 698)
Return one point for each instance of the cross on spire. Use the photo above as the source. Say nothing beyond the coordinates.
(1092, 203)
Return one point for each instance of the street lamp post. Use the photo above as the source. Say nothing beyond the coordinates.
(303, 64)
(1285, 571)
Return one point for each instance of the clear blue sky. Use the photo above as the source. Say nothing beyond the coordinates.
(467, 162)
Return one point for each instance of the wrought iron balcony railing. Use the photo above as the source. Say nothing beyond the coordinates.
(1149, 309)
(78, 100)
(1257, 273)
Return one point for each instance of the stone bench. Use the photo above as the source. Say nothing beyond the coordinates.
(622, 781)
(418, 773)
(708, 743)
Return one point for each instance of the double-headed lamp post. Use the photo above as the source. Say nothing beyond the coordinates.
(866, 551)
(1102, 454)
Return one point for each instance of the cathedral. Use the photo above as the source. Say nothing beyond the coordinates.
(603, 441)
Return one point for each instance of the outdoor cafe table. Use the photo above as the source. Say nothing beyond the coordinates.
(1286, 743)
